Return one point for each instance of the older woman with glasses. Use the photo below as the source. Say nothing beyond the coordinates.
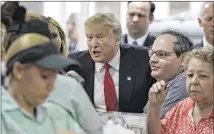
(195, 114)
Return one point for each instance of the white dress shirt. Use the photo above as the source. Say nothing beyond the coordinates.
(140, 41)
(99, 97)
(206, 43)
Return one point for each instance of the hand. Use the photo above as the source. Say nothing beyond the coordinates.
(65, 132)
(157, 93)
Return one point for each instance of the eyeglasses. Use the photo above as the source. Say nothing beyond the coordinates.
(159, 53)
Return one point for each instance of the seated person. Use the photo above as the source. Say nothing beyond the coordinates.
(117, 77)
(58, 34)
(32, 63)
(65, 94)
(195, 114)
(166, 64)
(70, 95)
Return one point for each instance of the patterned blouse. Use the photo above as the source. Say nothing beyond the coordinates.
(179, 120)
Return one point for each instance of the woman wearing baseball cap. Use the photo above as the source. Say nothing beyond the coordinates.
(33, 62)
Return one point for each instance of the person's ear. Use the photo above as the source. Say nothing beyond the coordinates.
(118, 40)
(183, 58)
(151, 18)
(17, 70)
(200, 22)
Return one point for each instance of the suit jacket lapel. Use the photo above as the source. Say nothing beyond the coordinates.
(89, 77)
(125, 38)
(126, 79)
(148, 42)
(201, 44)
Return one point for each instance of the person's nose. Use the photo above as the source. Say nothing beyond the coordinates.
(94, 42)
(194, 80)
(153, 58)
(135, 18)
(51, 82)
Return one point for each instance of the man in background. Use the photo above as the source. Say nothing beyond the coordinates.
(139, 16)
(72, 24)
(206, 21)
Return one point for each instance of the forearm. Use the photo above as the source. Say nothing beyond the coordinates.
(153, 120)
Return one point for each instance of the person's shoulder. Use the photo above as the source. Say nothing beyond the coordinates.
(151, 36)
(198, 45)
(81, 57)
(78, 54)
(182, 105)
(65, 85)
(179, 79)
(8, 103)
(128, 47)
(179, 109)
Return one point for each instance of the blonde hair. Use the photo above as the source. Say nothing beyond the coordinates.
(107, 19)
(3, 34)
(24, 42)
(33, 16)
(205, 54)
(63, 49)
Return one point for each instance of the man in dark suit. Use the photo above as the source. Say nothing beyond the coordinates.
(139, 17)
(117, 77)
(206, 21)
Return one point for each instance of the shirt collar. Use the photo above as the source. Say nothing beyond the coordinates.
(206, 43)
(9, 104)
(189, 107)
(115, 62)
(140, 41)
(170, 81)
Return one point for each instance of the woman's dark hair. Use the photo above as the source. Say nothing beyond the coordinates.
(14, 18)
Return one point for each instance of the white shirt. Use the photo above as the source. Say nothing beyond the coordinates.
(140, 41)
(99, 97)
(206, 43)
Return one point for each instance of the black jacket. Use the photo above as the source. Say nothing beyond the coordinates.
(134, 63)
(148, 42)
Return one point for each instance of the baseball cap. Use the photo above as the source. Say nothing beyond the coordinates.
(45, 54)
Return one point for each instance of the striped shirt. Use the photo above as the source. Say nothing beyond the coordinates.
(175, 92)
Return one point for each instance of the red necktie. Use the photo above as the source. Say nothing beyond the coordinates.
(109, 91)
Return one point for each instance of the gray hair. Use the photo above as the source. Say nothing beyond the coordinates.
(183, 43)
(205, 54)
(201, 13)
(107, 19)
